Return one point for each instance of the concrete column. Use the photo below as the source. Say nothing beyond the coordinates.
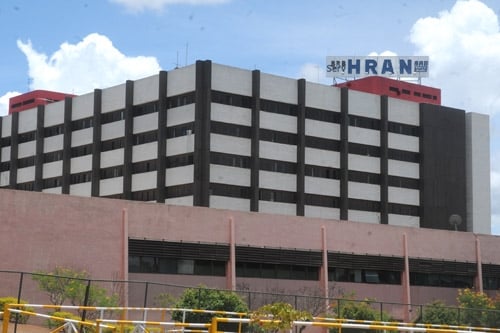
(124, 264)
(479, 276)
(406, 280)
(324, 267)
(231, 265)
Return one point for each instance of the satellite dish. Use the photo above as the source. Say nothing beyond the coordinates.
(455, 220)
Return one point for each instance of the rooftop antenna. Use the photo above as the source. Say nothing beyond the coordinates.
(455, 220)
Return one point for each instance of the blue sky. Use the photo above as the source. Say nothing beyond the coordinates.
(76, 46)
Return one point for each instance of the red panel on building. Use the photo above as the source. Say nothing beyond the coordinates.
(395, 89)
(34, 98)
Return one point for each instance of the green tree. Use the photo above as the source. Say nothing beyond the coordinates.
(68, 285)
(203, 298)
(438, 313)
(477, 309)
(279, 316)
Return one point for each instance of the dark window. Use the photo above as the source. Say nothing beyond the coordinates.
(401, 209)
(180, 100)
(403, 182)
(26, 162)
(279, 137)
(81, 150)
(406, 91)
(364, 275)
(176, 191)
(364, 122)
(179, 160)
(180, 130)
(323, 115)
(52, 182)
(441, 280)
(278, 166)
(321, 200)
(395, 89)
(5, 142)
(146, 137)
(363, 177)
(276, 271)
(322, 143)
(146, 108)
(230, 160)
(53, 130)
(277, 196)
(416, 93)
(322, 172)
(112, 144)
(144, 166)
(145, 195)
(160, 265)
(28, 186)
(53, 156)
(227, 190)
(113, 196)
(427, 96)
(405, 129)
(110, 117)
(111, 172)
(81, 177)
(26, 137)
(230, 129)
(366, 150)
(231, 99)
(82, 123)
(278, 107)
(364, 205)
(403, 155)
(4, 166)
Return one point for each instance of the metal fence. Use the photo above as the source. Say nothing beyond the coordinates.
(25, 286)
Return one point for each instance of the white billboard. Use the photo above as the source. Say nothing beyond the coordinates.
(399, 67)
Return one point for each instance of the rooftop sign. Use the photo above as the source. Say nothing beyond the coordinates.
(411, 67)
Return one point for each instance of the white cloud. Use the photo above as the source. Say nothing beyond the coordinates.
(464, 49)
(79, 68)
(158, 5)
(4, 102)
(312, 73)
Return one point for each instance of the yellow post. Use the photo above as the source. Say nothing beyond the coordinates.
(6, 318)
(213, 326)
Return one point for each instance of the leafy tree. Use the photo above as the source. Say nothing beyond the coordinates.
(348, 308)
(438, 313)
(202, 298)
(477, 309)
(65, 284)
(279, 316)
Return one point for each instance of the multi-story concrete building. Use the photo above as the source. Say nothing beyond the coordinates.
(222, 137)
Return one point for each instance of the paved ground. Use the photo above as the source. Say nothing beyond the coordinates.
(27, 329)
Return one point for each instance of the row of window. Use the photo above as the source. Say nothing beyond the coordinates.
(160, 265)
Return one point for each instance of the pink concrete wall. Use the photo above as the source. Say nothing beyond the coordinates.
(39, 231)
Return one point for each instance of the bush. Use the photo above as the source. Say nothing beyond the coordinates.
(53, 323)
(21, 317)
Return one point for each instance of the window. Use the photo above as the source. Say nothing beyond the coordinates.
(323, 115)
(321, 200)
(162, 265)
(81, 150)
(177, 191)
(363, 177)
(180, 130)
(364, 205)
(26, 137)
(28, 186)
(52, 182)
(146, 108)
(180, 100)
(403, 155)
(81, 177)
(360, 149)
(364, 122)
(227, 190)
(111, 172)
(364, 275)
(145, 195)
(278, 166)
(405, 129)
(5, 142)
(53, 156)
(179, 160)
(401, 209)
(111, 117)
(231, 99)
(403, 182)
(112, 144)
(230, 160)
(230, 129)
(277, 107)
(322, 172)
(82, 123)
(144, 166)
(4, 166)
(277, 196)
(26, 162)
(146, 137)
(322, 143)
(276, 271)
(441, 280)
(53, 130)
(279, 137)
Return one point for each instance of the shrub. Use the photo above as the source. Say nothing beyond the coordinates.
(53, 323)
(21, 317)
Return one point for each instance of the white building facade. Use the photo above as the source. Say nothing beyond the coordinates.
(222, 137)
